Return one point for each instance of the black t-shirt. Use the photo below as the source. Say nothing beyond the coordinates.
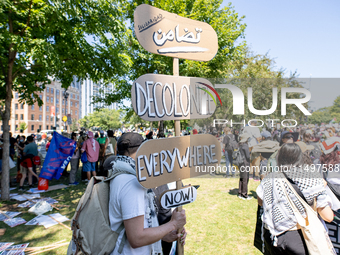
(12, 142)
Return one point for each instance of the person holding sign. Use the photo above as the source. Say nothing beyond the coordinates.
(134, 206)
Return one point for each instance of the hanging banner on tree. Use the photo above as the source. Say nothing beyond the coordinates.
(168, 34)
(58, 156)
(164, 97)
(163, 161)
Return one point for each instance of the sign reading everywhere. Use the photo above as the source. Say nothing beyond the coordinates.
(162, 161)
(164, 97)
(176, 198)
(168, 34)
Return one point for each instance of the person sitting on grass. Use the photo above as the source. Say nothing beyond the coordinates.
(26, 166)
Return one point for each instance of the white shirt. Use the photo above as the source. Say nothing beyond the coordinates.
(254, 132)
(127, 201)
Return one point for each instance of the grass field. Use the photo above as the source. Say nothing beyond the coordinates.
(217, 222)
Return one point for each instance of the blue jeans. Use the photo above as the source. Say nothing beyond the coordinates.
(89, 166)
(229, 160)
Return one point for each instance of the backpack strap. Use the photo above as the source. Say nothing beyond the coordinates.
(123, 241)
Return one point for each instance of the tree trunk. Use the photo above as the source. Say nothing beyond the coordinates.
(5, 150)
(161, 127)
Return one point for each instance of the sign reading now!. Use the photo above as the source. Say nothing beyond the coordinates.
(164, 97)
(168, 34)
(163, 161)
(175, 198)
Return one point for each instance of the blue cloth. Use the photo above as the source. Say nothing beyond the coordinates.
(0, 165)
(229, 163)
(83, 157)
(58, 156)
(89, 166)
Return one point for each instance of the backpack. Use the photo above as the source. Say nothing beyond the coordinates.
(231, 144)
(91, 231)
(238, 158)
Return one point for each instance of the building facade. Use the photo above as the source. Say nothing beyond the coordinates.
(50, 114)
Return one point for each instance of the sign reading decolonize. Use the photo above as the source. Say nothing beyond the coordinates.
(164, 97)
(162, 161)
(168, 34)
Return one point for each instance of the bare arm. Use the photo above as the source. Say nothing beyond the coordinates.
(326, 213)
(139, 236)
(259, 201)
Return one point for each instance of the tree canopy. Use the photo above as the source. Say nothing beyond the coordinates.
(103, 118)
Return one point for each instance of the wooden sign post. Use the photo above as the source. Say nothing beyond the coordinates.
(168, 34)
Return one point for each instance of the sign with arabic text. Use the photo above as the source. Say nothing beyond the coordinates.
(164, 97)
(168, 34)
(163, 161)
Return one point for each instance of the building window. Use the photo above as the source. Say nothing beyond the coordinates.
(57, 100)
(63, 111)
(47, 127)
(16, 116)
(63, 101)
(51, 99)
(71, 112)
(40, 117)
(32, 116)
(47, 118)
(22, 106)
(47, 99)
(51, 90)
(47, 109)
(32, 106)
(16, 127)
(16, 95)
(21, 117)
(57, 92)
(16, 106)
(40, 127)
(51, 118)
(48, 90)
(32, 128)
(76, 112)
(40, 108)
(57, 109)
(71, 103)
(40, 97)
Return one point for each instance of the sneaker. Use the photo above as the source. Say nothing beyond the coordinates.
(249, 197)
(21, 189)
(75, 183)
(240, 197)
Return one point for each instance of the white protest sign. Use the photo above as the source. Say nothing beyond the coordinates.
(168, 34)
(175, 198)
(163, 161)
(164, 97)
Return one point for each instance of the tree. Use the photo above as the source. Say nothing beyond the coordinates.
(43, 40)
(22, 126)
(227, 23)
(103, 118)
(335, 109)
(74, 126)
(322, 115)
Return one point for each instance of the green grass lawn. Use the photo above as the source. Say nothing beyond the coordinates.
(217, 222)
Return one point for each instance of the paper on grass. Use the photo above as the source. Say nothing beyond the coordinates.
(4, 246)
(16, 249)
(9, 215)
(47, 221)
(14, 222)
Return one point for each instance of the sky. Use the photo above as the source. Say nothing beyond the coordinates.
(302, 36)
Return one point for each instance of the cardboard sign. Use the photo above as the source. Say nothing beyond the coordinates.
(163, 161)
(165, 97)
(168, 34)
(176, 198)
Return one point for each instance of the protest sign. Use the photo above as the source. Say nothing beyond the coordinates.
(159, 163)
(164, 97)
(58, 156)
(168, 34)
(174, 198)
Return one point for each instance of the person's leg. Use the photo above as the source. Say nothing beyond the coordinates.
(240, 187)
(73, 171)
(232, 169)
(93, 166)
(227, 163)
(29, 178)
(22, 180)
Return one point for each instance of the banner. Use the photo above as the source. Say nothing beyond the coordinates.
(58, 156)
